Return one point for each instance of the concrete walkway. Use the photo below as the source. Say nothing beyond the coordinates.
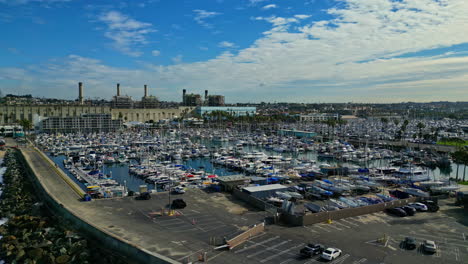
(68, 194)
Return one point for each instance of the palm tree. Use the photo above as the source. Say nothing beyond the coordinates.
(26, 124)
(420, 126)
(465, 162)
(456, 156)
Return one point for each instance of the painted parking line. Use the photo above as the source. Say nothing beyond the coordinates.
(339, 222)
(322, 228)
(360, 261)
(447, 240)
(280, 253)
(448, 235)
(183, 230)
(457, 254)
(310, 229)
(335, 227)
(257, 244)
(286, 261)
(207, 222)
(211, 229)
(349, 222)
(438, 241)
(172, 223)
(268, 249)
(312, 261)
(340, 259)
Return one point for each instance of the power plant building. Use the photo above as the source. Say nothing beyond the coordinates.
(149, 101)
(192, 100)
(121, 101)
(215, 100)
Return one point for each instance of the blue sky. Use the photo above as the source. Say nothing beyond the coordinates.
(248, 50)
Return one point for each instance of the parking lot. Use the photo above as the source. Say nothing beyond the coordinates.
(377, 238)
(209, 218)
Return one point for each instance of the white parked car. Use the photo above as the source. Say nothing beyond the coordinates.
(179, 190)
(331, 253)
(418, 206)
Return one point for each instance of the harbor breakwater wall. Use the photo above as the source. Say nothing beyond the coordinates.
(321, 217)
(133, 252)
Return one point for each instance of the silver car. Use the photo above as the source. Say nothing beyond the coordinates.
(429, 246)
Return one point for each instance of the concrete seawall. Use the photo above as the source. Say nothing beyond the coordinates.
(62, 199)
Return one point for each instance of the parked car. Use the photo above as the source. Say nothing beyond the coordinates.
(397, 211)
(179, 190)
(429, 246)
(409, 210)
(418, 206)
(431, 205)
(144, 196)
(178, 204)
(311, 250)
(409, 243)
(331, 253)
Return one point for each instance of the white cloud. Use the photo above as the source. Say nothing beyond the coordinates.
(302, 16)
(23, 2)
(127, 33)
(155, 53)
(226, 44)
(177, 59)
(270, 6)
(202, 15)
(353, 57)
(254, 2)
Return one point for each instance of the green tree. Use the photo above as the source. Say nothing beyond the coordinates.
(26, 124)
(460, 158)
(420, 126)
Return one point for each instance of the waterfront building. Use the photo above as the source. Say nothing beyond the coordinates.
(11, 114)
(232, 110)
(85, 123)
(318, 117)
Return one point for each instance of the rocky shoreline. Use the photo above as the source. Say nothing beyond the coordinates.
(31, 234)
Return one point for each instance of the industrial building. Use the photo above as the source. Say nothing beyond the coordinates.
(232, 110)
(149, 101)
(191, 99)
(122, 107)
(196, 99)
(121, 101)
(84, 123)
(319, 117)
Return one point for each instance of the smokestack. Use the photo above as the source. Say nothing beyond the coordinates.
(206, 94)
(118, 89)
(183, 96)
(146, 90)
(80, 92)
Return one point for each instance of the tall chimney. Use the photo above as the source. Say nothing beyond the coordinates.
(118, 89)
(80, 93)
(146, 90)
(183, 96)
(206, 94)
